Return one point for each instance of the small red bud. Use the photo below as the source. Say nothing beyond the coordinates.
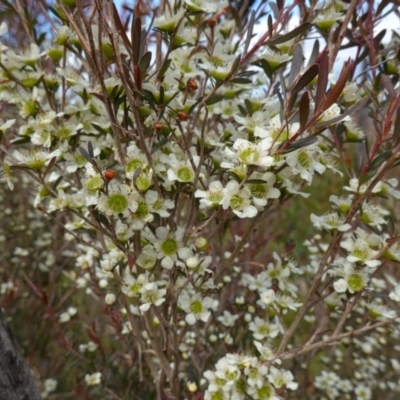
(158, 126)
(212, 22)
(192, 84)
(109, 174)
(183, 116)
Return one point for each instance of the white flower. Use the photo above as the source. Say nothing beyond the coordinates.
(36, 159)
(93, 379)
(159, 205)
(265, 351)
(228, 319)
(151, 294)
(50, 385)
(353, 280)
(373, 214)
(363, 392)
(262, 191)
(181, 171)
(147, 258)
(388, 187)
(204, 6)
(255, 373)
(360, 251)
(330, 221)
(213, 196)
(357, 188)
(252, 153)
(332, 112)
(169, 246)
(132, 285)
(305, 161)
(195, 306)
(5, 125)
(120, 200)
(395, 294)
(340, 286)
(262, 329)
(281, 378)
(268, 297)
(168, 22)
(238, 200)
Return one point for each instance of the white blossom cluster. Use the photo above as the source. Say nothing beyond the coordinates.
(152, 193)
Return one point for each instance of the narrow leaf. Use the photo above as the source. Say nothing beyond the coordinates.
(336, 91)
(314, 53)
(306, 78)
(136, 34)
(297, 63)
(145, 62)
(290, 35)
(396, 129)
(267, 69)
(304, 109)
(270, 26)
(242, 110)
(322, 79)
(241, 81)
(85, 154)
(379, 160)
(249, 106)
(250, 31)
(164, 68)
(90, 149)
(214, 99)
(159, 145)
(120, 28)
(298, 144)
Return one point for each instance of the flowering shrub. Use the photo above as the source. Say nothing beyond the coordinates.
(157, 154)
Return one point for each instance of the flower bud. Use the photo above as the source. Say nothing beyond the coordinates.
(192, 262)
(192, 84)
(183, 116)
(201, 243)
(109, 174)
(212, 22)
(158, 126)
(110, 298)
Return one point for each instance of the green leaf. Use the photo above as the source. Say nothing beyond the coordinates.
(297, 63)
(164, 68)
(21, 140)
(159, 145)
(257, 181)
(249, 31)
(242, 110)
(136, 40)
(314, 53)
(249, 106)
(120, 28)
(304, 109)
(379, 160)
(145, 62)
(298, 144)
(290, 35)
(214, 99)
(309, 74)
(241, 81)
(85, 154)
(323, 73)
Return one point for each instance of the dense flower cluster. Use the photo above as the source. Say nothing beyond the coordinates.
(161, 166)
